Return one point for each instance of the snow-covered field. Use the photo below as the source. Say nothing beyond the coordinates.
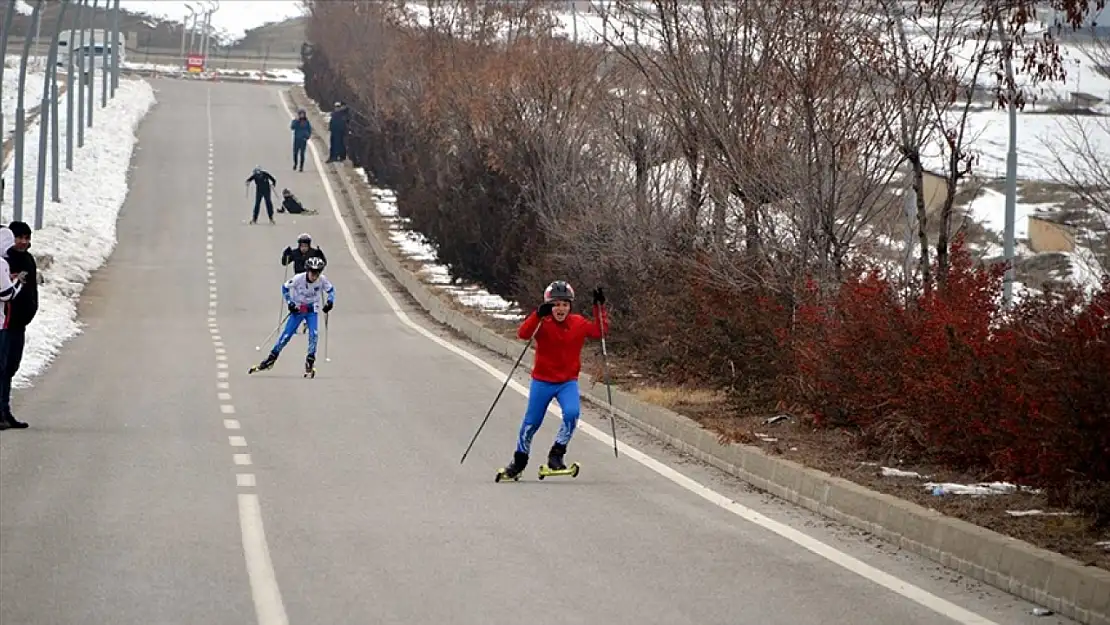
(78, 233)
(987, 136)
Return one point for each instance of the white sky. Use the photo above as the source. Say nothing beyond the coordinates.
(234, 17)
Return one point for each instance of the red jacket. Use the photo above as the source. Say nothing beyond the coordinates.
(559, 345)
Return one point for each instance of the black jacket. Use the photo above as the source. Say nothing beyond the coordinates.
(262, 181)
(26, 303)
(294, 254)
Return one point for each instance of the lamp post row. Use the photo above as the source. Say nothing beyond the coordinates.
(80, 60)
(81, 72)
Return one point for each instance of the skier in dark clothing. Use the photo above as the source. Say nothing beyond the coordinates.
(21, 310)
(302, 132)
(262, 190)
(303, 252)
(290, 204)
(337, 125)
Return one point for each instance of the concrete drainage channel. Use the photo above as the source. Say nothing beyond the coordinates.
(1049, 579)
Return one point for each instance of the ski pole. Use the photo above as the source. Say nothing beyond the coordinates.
(496, 399)
(608, 386)
(282, 308)
(259, 346)
(326, 357)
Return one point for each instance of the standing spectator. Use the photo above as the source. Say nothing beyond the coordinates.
(302, 132)
(11, 338)
(337, 125)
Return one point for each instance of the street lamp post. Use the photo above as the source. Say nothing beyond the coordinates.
(115, 47)
(184, 29)
(48, 115)
(20, 121)
(91, 81)
(8, 15)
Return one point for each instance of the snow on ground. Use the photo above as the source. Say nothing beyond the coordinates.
(989, 210)
(414, 247)
(32, 93)
(78, 233)
(278, 75)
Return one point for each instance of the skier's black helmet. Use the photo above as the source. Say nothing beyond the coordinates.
(304, 238)
(558, 290)
(315, 264)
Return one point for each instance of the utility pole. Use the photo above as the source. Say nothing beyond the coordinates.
(184, 28)
(1011, 167)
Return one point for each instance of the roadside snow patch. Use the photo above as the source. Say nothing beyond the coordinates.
(79, 233)
(977, 490)
(415, 247)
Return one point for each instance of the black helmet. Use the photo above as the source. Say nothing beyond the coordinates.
(558, 290)
(304, 237)
(314, 264)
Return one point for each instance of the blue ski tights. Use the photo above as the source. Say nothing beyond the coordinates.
(540, 395)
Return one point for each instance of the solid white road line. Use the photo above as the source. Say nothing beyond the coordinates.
(886, 580)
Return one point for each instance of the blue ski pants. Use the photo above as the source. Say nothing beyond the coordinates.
(540, 395)
(291, 323)
(299, 146)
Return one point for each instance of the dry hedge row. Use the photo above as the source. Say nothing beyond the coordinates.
(724, 239)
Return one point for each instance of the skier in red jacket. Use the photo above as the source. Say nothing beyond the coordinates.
(559, 340)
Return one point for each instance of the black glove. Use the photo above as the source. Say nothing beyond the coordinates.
(292, 307)
(599, 296)
(545, 309)
(328, 306)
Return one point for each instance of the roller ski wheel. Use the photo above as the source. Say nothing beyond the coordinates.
(572, 470)
(514, 470)
(264, 365)
(311, 373)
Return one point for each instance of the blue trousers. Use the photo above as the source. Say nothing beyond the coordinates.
(540, 395)
(291, 323)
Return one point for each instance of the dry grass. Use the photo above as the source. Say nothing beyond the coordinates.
(673, 397)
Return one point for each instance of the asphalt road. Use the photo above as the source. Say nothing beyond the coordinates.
(159, 483)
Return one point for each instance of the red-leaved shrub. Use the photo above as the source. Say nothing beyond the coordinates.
(952, 378)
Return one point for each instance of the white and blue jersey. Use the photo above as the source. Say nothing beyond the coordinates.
(302, 293)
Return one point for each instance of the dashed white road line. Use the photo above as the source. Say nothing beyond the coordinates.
(882, 578)
(268, 606)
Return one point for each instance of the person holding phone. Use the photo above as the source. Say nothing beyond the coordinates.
(11, 339)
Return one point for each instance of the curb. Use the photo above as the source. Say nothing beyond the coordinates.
(1049, 579)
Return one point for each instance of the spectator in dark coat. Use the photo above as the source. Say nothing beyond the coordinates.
(302, 132)
(20, 311)
(338, 126)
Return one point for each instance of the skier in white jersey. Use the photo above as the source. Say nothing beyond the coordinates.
(302, 294)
